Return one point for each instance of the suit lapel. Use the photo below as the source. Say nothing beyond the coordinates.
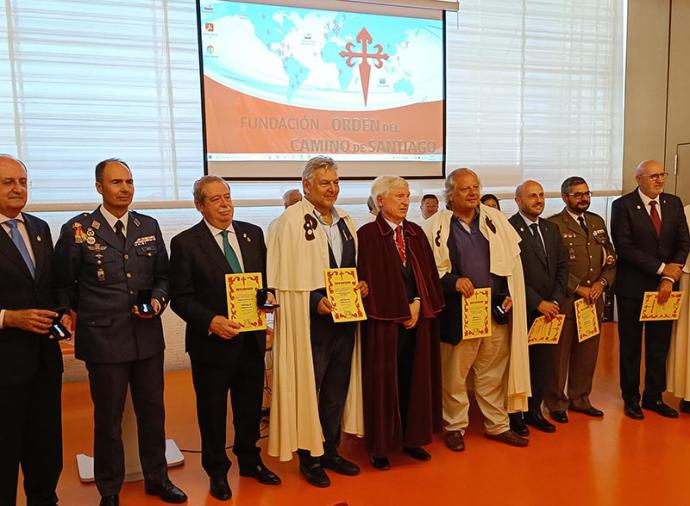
(529, 238)
(208, 243)
(665, 214)
(643, 214)
(36, 245)
(245, 245)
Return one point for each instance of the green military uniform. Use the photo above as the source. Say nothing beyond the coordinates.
(591, 260)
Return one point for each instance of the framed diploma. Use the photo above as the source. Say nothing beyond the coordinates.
(341, 292)
(543, 332)
(652, 311)
(242, 306)
(476, 314)
(587, 321)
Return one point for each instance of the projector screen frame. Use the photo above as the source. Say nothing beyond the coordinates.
(200, 52)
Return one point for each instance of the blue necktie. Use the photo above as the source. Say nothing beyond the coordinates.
(18, 241)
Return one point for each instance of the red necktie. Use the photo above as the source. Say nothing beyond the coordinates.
(656, 219)
(400, 243)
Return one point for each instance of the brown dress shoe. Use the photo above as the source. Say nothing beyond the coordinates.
(510, 438)
(454, 440)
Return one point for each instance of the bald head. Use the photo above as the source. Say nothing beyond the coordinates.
(13, 186)
(650, 177)
(529, 196)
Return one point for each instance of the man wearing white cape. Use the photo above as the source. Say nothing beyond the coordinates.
(490, 252)
(316, 362)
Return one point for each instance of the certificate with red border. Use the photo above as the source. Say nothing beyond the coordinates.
(242, 307)
(543, 332)
(476, 314)
(341, 292)
(652, 311)
(586, 319)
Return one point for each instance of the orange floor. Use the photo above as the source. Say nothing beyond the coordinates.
(612, 461)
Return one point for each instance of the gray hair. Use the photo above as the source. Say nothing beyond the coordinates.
(200, 183)
(287, 194)
(449, 185)
(382, 185)
(316, 163)
(12, 158)
(568, 184)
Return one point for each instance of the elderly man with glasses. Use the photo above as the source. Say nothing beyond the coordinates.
(651, 237)
(591, 268)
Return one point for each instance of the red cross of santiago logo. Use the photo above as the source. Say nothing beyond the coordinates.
(364, 38)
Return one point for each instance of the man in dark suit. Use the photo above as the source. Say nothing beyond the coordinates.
(222, 358)
(545, 265)
(30, 360)
(106, 258)
(650, 234)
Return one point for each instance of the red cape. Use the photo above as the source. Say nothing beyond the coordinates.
(387, 308)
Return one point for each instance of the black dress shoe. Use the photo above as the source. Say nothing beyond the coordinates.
(109, 500)
(220, 489)
(417, 453)
(633, 411)
(380, 463)
(315, 474)
(260, 473)
(339, 465)
(684, 406)
(538, 421)
(590, 411)
(167, 492)
(661, 408)
(559, 416)
(517, 424)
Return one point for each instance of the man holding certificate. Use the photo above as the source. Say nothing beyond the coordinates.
(223, 356)
(316, 353)
(650, 233)
(545, 264)
(591, 268)
(477, 256)
(400, 347)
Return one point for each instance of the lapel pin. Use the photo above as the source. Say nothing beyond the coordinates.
(639, 207)
(246, 237)
(522, 229)
(38, 238)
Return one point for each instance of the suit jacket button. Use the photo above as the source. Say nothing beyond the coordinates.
(126, 256)
(129, 274)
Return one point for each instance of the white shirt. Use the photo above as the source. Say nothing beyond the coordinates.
(335, 240)
(21, 226)
(529, 222)
(232, 239)
(112, 220)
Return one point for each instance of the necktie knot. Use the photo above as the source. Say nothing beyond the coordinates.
(581, 220)
(652, 203)
(534, 228)
(12, 224)
(119, 226)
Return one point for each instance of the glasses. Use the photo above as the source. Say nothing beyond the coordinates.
(657, 177)
(579, 195)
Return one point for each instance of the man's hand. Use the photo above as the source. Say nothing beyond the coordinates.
(583, 291)
(672, 271)
(270, 299)
(156, 310)
(549, 309)
(363, 288)
(507, 304)
(324, 307)
(665, 288)
(223, 327)
(464, 286)
(595, 292)
(414, 311)
(37, 321)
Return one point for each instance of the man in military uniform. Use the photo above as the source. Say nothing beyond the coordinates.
(591, 267)
(107, 260)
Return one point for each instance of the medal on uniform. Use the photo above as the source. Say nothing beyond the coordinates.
(136, 222)
(90, 232)
(95, 224)
(91, 240)
(79, 235)
(100, 273)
